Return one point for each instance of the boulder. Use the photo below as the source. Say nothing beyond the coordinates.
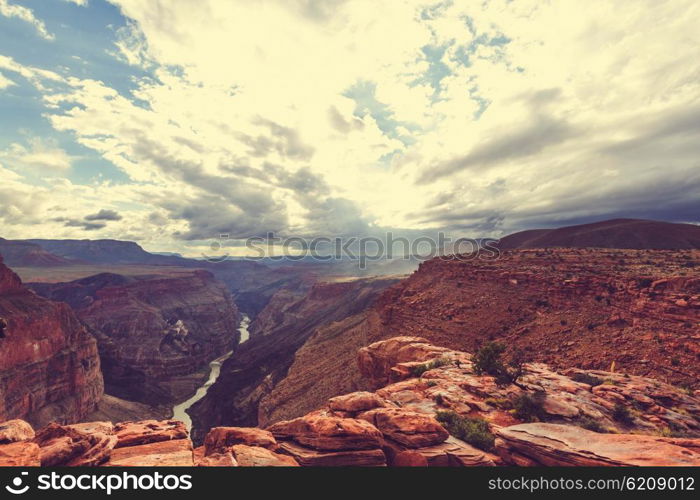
(409, 428)
(173, 453)
(564, 445)
(19, 454)
(376, 360)
(329, 433)
(255, 456)
(220, 439)
(15, 430)
(149, 431)
(355, 402)
(308, 457)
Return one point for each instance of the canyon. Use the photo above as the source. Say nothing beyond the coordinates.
(292, 316)
(153, 331)
(347, 370)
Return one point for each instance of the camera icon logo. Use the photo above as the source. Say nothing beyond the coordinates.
(16, 488)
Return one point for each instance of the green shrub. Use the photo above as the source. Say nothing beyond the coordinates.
(590, 424)
(487, 359)
(622, 414)
(474, 431)
(530, 407)
(418, 370)
(586, 378)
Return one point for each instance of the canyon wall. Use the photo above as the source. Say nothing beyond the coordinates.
(49, 363)
(637, 311)
(151, 329)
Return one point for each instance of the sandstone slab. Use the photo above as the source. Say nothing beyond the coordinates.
(149, 431)
(356, 402)
(564, 445)
(329, 433)
(308, 457)
(220, 439)
(173, 453)
(409, 428)
(255, 456)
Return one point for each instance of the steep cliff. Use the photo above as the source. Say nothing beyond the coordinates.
(49, 365)
(151, 329)
(292, 316)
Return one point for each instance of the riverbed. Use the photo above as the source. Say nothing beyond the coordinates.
(180, 410)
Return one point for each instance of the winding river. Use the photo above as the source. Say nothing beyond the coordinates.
(180, 410)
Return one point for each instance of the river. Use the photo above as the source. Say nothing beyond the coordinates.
(180, 410)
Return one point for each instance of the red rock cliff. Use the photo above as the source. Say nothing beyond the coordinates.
(49, 365)
(152, 328)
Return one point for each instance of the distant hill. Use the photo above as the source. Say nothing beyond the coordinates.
(616, 233)
(18, 253)
(105, 252)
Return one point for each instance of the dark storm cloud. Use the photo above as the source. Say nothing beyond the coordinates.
(106, 215)
(210, 216)
(85, 225)
(224, 205)
(537, 136)
(678, 129)
(283, 140)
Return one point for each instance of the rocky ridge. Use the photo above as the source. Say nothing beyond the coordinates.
(422, 390)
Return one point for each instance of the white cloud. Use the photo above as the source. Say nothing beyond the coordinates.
(82, 3)
(10, 10)
(5, 82)
(532, 112)
(43, 157)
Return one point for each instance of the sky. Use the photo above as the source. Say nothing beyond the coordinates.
(171, 122)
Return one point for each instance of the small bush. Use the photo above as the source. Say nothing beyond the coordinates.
(474, 431)
(419, 370)
(487, 359)
(590, 424)
(585, 378)
(530, 407)
(622, 414)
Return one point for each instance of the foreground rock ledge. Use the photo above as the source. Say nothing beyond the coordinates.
(398, 424)
(554, 445)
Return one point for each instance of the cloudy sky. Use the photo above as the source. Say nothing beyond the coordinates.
(169, 122)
